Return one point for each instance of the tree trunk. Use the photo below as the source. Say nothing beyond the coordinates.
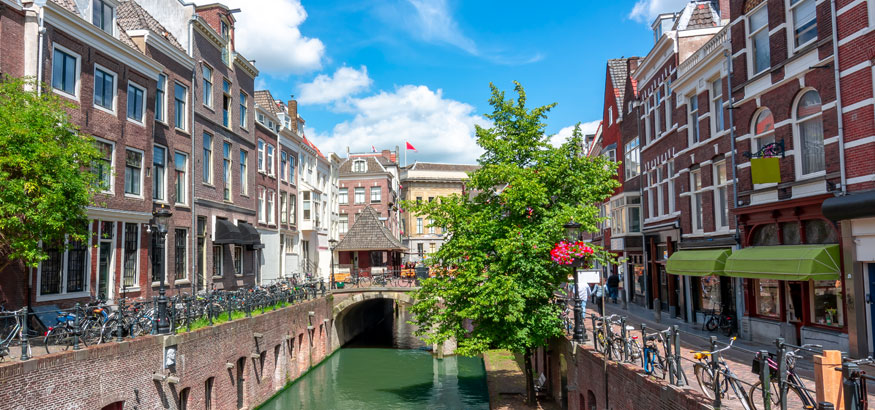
(530, 378)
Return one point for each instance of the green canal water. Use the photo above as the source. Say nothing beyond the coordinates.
(387, 368)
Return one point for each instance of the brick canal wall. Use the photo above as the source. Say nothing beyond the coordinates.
(245, 361)
(627, 385)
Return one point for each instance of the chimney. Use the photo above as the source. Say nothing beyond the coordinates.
(386, 154)
(293, 109)
(723, 9)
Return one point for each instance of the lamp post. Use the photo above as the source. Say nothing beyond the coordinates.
(332, 243)
(161, 217)
(572, 233)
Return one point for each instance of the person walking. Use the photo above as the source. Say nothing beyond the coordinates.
(583, 295)
(613, 286)
(598, 293)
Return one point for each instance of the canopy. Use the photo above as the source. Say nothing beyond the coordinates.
(702, 262)
(788, 262)
(226, 232)
(249, 235)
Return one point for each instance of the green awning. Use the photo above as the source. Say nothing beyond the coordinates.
(702, 262)
(788, 262)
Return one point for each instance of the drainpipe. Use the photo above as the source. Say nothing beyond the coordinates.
(641, 195)
(41, 33)
(194, 244)
(841, 123)
(739, 296)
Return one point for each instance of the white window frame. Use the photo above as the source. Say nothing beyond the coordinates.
(142, 172)
(751, 52)
(271, 154)
(176, 279)
(755, 139)
(283, 207)
(162, 100)
(630, 148)
(356, 197)
(64, 271)
(284, 163)
(419, 226)
(797, 135)
(77, 77)
(360, 166)
(228, 171)
(235, 259)
(176, 109)
(696, 196)
(207, 95)
(142, 120)
(791, 25)
(343, 196)
(185, 182)
(718, 122)
(137, 278)
(262, 154)
(244, 109)
(114, 90)
(166, 168)
(379, 197)
(244, 171)
(262, 205)
(271, 207)
(211, 168)
(114, 7)
(693, 117)
(720, 189)
(112, 166)
(343, 223)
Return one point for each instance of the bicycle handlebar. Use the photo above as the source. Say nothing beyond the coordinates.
(728, 346)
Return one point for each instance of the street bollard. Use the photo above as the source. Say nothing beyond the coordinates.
(119, 330)
(210, 314)
(592, 317)
(667, 342)
(228, 308)
(76, 326)
(625, 340)
(188, 316)
(766, 384)
(25, 346)
(782, 372)
(850, 374)
(825, 405)
(154, 315)
(643, 344)
(676, 340)
(715, 369)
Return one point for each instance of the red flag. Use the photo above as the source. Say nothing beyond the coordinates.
(410, 147)
(373, 149)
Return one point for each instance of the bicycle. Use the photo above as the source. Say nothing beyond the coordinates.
(8, 333)
(706, 374)
(796, 391)
(856, 392)
(654, 363)
(715, 320)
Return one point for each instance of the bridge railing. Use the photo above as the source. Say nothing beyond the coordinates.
(347, 277)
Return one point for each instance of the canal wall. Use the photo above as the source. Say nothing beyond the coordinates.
(233, 365)
(593, 385)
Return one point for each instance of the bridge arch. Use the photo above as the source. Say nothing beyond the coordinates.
(354, 311)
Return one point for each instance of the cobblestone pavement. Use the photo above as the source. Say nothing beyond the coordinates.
(738, 358)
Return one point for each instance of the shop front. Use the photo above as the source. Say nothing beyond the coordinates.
(666, 290)
(707, 288)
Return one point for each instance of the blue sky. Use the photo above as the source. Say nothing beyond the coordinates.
(382, 72)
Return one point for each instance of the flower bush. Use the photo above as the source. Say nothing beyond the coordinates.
(564, 253)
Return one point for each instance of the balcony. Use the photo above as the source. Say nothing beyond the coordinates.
(719, 42)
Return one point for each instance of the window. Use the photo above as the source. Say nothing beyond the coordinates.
(102, 15)
(717, 104)
(696, 198)
(431, 199)
(262, 201)
(244, 180)
(283, 164)
(826, 308)
(133, 172)
(804, 21)
(431, 247)
(343, 198)
(668, 110)
(65, 72)
(217, 260)
(610, 116)
(208, 393)
(418, 199)
(693, 122)
(632, 163)
(809, 126)
(261, 167)
(226, 103)
(103, 166)
(179, 256)
(763, 130)
(758, 39)
(131, 261)
(226, 169)
(270, 156)
(64, 270)
(306, 199)
(238, 260)
(375, 194)
(430, 227)
(104, 89)
(208, 158)
(344, 223)
(159, 165)
(721, 196)
(767, 297)
(657, 118)
(359, 165)
(419, 226)
(243, 109)
(180, 96)
(291, 169)
(161, 98)
(283, 208)
(136, 99)
(709, 293)
(180, 163)
(419, 250)
(207, 74)
(293, 209)
(359, 195)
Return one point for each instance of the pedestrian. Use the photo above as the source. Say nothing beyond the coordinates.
(598, 292)
(583, 295)
(613, 286)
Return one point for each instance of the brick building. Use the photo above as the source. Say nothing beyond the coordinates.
(369, 179)
(424, 181)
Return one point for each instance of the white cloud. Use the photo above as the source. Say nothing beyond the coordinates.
(324, 89)
(269, 33)
(435, 23)
(645, 11)
(441, 129)
(586, 128)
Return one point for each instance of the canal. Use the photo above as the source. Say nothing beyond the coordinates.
(386, 367)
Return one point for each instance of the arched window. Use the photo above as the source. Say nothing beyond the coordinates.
(809, 134)
(763, 129)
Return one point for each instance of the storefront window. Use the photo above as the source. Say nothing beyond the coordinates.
(640, 280)
(767, 298)
(826, 304)
(791, 233)
(709, 293)
(765, 235)
(819, 231)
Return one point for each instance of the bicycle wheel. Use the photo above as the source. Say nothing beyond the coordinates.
(711, 324)
(618, 349)
(756, 395)
(58, 339)
(634, 351)
(705, 377)
(726, 326)
(599, 341)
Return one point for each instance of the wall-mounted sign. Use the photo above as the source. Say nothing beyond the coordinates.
(587, 276)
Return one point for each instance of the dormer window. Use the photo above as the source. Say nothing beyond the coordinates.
(225, 30)
(226, 34)
(103, 15)
(359, 166)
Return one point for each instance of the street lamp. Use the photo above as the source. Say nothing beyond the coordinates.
(572, 234)
(161, 218)
(332, 243)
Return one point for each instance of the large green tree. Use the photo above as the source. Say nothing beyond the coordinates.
(499, 278)
(45, 178)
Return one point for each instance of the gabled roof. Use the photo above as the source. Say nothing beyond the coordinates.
(131, 16)
(368, 233)
(618, 70)
(70, 6)
(265, 100)
(698, 14)
(372, 166)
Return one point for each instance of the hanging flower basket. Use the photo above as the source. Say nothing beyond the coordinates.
(565, 253)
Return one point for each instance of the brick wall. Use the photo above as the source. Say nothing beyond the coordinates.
(100, 375)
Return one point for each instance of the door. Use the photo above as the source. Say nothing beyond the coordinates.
(870, 300)
(795, 308)
(663, 288)
(104, 270)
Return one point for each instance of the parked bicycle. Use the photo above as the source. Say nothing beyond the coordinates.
(654, 362)
(720, 379)
(796, 392)
(719, 320)
(11, 327)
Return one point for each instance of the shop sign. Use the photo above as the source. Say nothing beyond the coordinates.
(588, 276)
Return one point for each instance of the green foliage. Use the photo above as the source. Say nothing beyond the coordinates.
(502, 278)
(45, 182)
